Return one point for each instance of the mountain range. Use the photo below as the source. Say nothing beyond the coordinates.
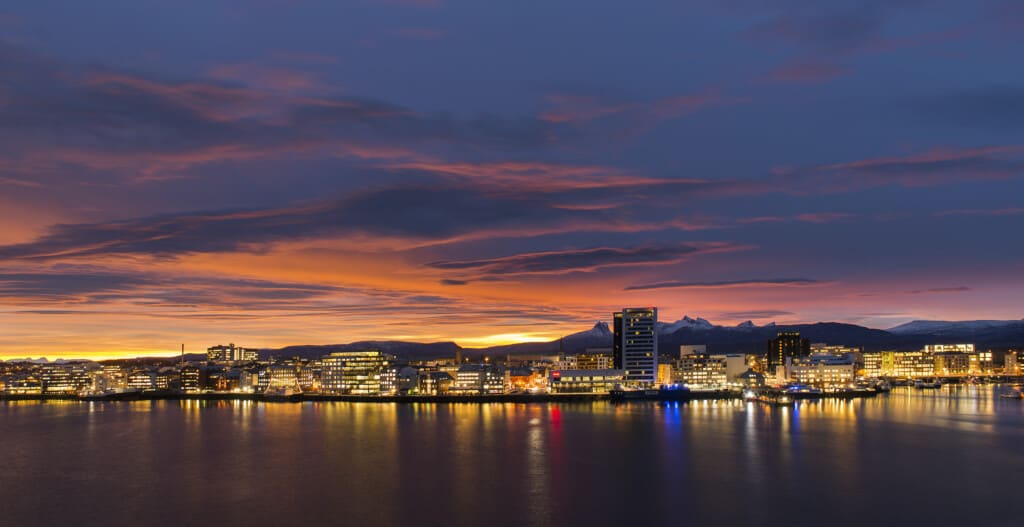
(745, 337)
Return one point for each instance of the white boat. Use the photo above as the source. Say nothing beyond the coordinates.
(1014, 393)
(926, 385)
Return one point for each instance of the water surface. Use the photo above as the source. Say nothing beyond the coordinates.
(912, 457)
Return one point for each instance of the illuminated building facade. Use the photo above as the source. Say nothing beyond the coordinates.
(821, 370)
(434, 383)
(693, 349)
(585, 381)
(878, 363)
(1010, 364)
(701, 371)
(190, 379)
(566, 362)
(981, 363)
(115, 376)
(664, 374)
(819, 348)
(528, 380)
(594, 360)
(231, 353)
(480, 379)
(141, 380)
(282, 377)
(353, 372)
(64, 379)
(913, 364)
(389, 380)
(635, 347)
(952, 363)
(785, 345)
(949, 348)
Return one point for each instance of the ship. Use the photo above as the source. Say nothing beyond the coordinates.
(665, 393)
(282, 395)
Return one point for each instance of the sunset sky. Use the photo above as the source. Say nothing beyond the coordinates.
(300, 172)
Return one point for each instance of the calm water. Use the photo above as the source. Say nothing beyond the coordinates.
(912, 457)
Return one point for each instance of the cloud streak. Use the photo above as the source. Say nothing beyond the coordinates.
(579, 260)
(772, 282)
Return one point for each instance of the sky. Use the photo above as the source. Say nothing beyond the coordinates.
(311, 172)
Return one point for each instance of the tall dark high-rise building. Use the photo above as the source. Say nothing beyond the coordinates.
(635, 348)
(786, 344)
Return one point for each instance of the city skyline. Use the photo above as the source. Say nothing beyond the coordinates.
(314, 173)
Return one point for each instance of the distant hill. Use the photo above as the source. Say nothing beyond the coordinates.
(408, 350)
(746, 337)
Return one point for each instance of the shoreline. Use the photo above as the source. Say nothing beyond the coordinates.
(430, 399)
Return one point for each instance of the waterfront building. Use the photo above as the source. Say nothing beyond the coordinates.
(1010, 364)
(64, 379)
(700, 371)
(853, 352)
(115, 375)
(480, 379)
(229, 381)
(525, 379)
(249, 380)
(566, 362)
(389, 380)
(282, 377)
(821, 370)
(785, 345)
(751, 379)
(230, 353)
(949, 348)
(878, 363)
(585, 381)
(821, 348)
(142, 380)
(913, 364)
(434, 383)
(952, 363)
(190, 379)
(664, 374)
(23, 386)
(164, 378)
(981, 363)
(306, 376)
(595, 359)
(406, 380)
(354, 372)
(635, 345)
(735, 365)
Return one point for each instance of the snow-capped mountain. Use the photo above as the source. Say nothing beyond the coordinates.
(600, 330)
(665, 328)
(700, 324)
(940, 327)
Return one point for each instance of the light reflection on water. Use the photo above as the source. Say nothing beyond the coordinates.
(917, 456)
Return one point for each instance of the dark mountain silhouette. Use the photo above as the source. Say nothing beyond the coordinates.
(743, 338)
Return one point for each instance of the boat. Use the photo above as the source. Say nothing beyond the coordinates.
(1014, 393)
(282, 395)
(883, 386)
(665, 393)
(776, 399)
(928, 385)
(111, 395)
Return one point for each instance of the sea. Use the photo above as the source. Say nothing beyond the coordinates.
(953, 456)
